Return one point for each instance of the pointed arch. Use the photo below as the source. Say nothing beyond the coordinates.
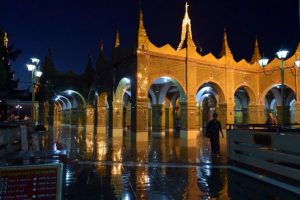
(220, 91)
(152, 96)
(182, 92)
(268, 88)
(250, 92)
(123, 86)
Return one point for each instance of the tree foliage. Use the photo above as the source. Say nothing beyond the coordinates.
(7, 54)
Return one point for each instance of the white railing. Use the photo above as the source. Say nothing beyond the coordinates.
(271, 151)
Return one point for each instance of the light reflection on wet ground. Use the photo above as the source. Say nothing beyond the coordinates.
(164, 167)
(97, 181)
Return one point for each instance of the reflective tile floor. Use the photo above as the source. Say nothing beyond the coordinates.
(152, 166)
(90, 180)
(166, 166)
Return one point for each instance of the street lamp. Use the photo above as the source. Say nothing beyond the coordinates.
(33, 67)
(281, 54)
(297, 62)
(19, 107)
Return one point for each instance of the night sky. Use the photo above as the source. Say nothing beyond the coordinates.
(73, 29)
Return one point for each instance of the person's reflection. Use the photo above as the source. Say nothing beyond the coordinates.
(210, 181)
(215, 182)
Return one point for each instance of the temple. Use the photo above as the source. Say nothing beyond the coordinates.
(164, 89)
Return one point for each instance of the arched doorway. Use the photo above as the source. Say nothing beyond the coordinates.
(207, 100)
(122, 105)
(273, 103)
(165, 94)
(241, 106)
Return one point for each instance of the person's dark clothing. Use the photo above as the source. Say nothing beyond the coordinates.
(271, 121)
(214, 126)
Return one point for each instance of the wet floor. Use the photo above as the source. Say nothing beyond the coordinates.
(128, 166)
(162, 166)
(89, 180)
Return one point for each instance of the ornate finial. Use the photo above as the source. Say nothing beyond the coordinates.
(225, 51)
(186, 28)
(142, 30)
(5, 40)
(256, 55)
(101, 46)
(186, 7)
(117, 40)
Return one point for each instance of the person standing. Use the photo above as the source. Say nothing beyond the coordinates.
(271, 120)
(213, 128)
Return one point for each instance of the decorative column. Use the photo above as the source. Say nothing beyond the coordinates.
(169, 113)
(286, 113)
(199, 116)
(297, 107)
(101, 117)
(256, 114)
(158, 114)
(226, 114)
(140, 115)
(89, 116)
(117, 116)
(188, 116)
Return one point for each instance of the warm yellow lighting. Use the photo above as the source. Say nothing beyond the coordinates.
(116, 169)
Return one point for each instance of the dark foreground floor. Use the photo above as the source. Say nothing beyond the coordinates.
(90, 180)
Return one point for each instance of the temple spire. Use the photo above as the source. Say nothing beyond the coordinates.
(101, 46)
(5, 40)
(100, 62)
(142, 38)
(142, 31)
(256, 55)
(186, 31)
(89, 70)
(117, 40)
(225, 51)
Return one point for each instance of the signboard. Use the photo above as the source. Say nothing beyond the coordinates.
(31, 182)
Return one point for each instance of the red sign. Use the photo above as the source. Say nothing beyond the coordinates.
(31, 182)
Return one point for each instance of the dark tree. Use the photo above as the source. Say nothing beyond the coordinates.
(7, 54)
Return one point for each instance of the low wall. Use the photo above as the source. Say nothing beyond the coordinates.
(271, 151)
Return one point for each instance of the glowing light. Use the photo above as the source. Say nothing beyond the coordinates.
(38, 73)
(139, 75)
(18, 106)
(127, 80)
(263, 61)
(297, 62)
(281, 54)
(35, 60)
(30, 67)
